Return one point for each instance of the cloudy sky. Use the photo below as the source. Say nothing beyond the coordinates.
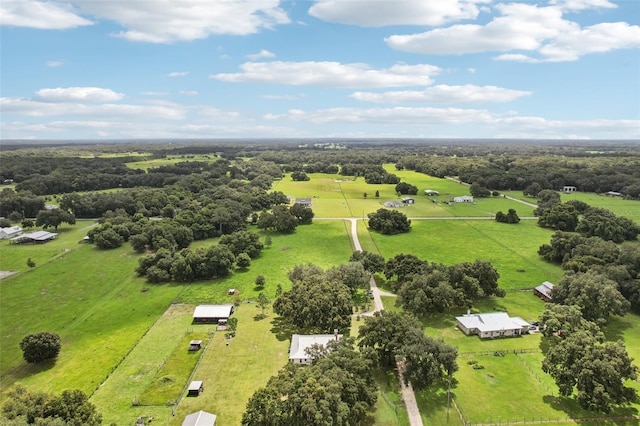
(98, 69)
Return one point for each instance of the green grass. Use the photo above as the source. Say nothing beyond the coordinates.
(512, 249)
(171, 379)
(91, 298)
(170, 159)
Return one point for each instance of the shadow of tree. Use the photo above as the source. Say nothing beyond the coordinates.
(25, 370)
(621, 416)
(282, 329)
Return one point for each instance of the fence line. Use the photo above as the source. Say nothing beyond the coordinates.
(501, 351)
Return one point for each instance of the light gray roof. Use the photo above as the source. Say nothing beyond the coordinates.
(545, 288)
(494, 321)
(37, 236)
(201, 418)
(300, 343)
(195, 385)
(212, 311)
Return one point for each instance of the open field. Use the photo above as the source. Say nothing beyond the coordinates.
(170, 159)
(118, 331)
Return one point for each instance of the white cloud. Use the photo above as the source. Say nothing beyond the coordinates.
(49, 15)
(393, 12)
(189, 92)
(445, 94)
(577, 5)
(332, 74)
(167, 21)
(54, 64)
(523, 27)
(35, 108)
(78, 94)
(262, 54)
(218, 114)
(178, 74)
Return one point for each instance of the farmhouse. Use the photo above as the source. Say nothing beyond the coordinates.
(463, 199)
(393, 204)
(301, 342)
(567, 189)
(305, 202)
(212, 313)
(10, 232)
(491, 325)
(200, 418)
(431, 192)
(38, 237)
(543, 291)
(408, 200)
(195, 388)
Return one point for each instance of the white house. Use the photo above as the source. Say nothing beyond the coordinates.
(491, 325)
(212, 313)
(567, 189)
(463, 199)
(301, 342)
(10, 232)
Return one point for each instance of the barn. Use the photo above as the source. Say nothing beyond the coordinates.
(212, 313)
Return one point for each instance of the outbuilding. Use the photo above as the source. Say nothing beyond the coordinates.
(37, 237)
(431, 192)
(195, 388)
(463, 199)
(200, 418)
(212, 313)
(543, 291)
(195, 345)
(10, 232)
(305, 202)
(408, 200)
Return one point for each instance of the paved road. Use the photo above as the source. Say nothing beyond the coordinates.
(408, 396)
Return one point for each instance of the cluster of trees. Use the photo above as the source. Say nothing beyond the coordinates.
(337, 389)
(285, 219)
(188, 265)
(425, 288)
(395, 335)
(25, 203)
(404, 188)
(578, 216)
(299, 176)
(479, 191)
(321, 301)
(52, 218)
(72, 407)
(389, 222)
(615, 264)
(510, 217)
(373, 173)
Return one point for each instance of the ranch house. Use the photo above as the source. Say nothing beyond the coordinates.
(543, 291)
(212, 313)
(301, 342)
(492, 325)
(10, 232)
(463, 199)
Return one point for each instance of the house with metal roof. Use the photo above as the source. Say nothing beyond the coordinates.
(200, 418)
(10, 232)
(492, 325)
(212, 313)
(463, 199)
(543, 291)
(301, 342)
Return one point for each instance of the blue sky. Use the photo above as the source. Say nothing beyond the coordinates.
(106, 69)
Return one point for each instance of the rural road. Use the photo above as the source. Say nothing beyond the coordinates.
(408, 396)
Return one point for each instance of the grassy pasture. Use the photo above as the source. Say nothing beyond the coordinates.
(512, 249)
(170, 159)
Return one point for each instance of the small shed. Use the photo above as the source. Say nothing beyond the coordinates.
(567, 189)
(195, 345)
(543, 291)
(392, 204)
(305, 202)
(408, 200)
(231, 291)
(200, 418)
(196, 387)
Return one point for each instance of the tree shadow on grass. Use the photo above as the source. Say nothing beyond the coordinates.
(616, 328)
(282, 329)
(622, 416)
(25, 370)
